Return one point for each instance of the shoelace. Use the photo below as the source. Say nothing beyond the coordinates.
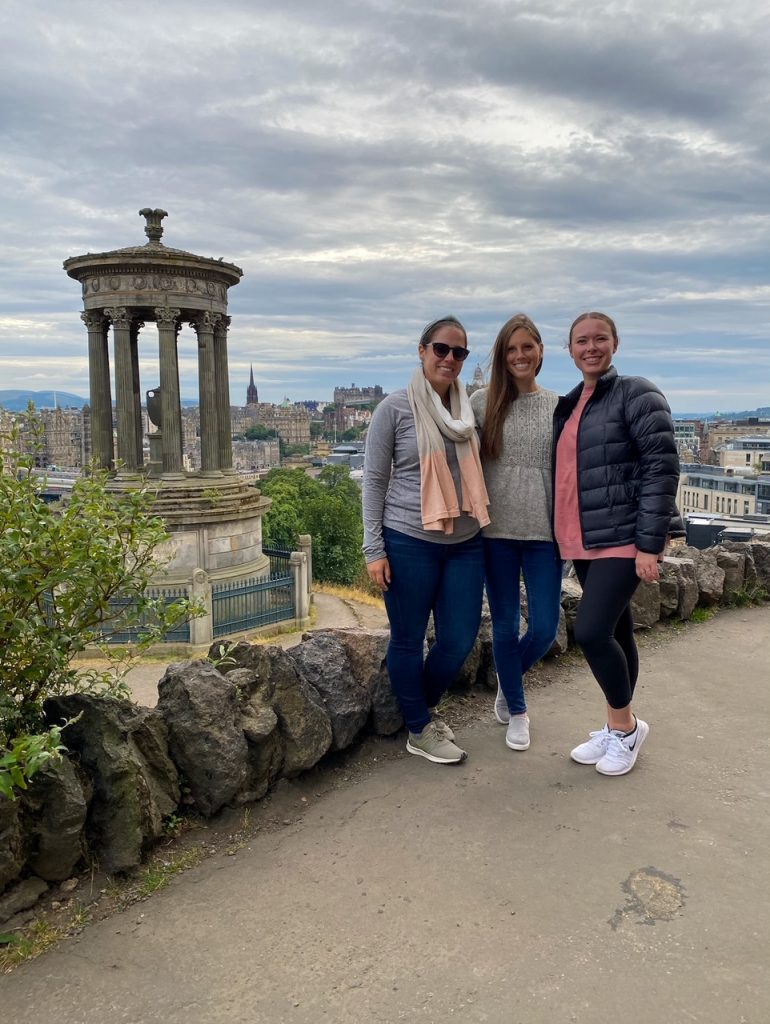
(615, 747)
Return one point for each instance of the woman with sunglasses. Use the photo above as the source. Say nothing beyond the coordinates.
(424, 503)
(516, 420)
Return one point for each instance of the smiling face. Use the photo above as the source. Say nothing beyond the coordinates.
(592, 345)
(523, 356)
(440, 372)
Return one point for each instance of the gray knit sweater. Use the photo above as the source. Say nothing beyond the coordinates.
(519, 483)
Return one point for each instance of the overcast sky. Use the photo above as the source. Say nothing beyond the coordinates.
(374, 164)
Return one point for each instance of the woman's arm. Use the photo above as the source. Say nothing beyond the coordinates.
(652, 431)
(378, 462)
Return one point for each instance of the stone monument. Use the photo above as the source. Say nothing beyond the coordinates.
(214, 518)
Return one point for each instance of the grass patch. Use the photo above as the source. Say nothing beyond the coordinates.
(702, 614)
(17, 948)
(349, 594)
(155, 876)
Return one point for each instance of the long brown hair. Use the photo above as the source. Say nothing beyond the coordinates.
(502, 387)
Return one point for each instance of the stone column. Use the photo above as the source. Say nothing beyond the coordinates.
(204, 324)
(124, 387)
(171, 409)
(100, 393)
(222, 378)
(305, 544)
(136, 326)
(298, 569)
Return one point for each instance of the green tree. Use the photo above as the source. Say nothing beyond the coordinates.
(328, 508)
(71, 574)
(259, 432)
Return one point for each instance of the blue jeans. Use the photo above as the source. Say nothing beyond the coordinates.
(505, 561)
(448, 580)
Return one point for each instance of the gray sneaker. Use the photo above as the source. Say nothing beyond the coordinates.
(442, 728)
(436, 747)
(502, 714)
(517, 733)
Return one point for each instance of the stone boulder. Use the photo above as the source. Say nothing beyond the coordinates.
(303, 723)
(571, 593)
(124, 750)
(54, 814)
(11, 843)
(750, 579)
(21, 897)
(203, 716)
(322, 661)
(366, 650)
(668, 588)
(260, 727)
(711, 579)
(683, 570)
(733, 565)
(761, 554)
(645, 605)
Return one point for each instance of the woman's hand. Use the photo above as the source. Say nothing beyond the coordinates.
(647, 567)
(379, 573)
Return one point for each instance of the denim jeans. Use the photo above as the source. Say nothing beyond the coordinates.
(505, 561)
(448, 580)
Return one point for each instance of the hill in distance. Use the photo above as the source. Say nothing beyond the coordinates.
(17, 401)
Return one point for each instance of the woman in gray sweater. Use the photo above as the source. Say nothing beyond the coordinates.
(516, 420)
(424, 502)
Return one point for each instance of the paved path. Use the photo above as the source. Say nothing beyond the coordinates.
(515, 888)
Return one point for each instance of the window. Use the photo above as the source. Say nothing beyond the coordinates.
(745, 508)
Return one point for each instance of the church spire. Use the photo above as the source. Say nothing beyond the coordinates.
(252, 398)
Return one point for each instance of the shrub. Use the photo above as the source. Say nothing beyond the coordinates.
(71, 574)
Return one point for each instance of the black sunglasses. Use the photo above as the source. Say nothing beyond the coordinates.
(442, 350)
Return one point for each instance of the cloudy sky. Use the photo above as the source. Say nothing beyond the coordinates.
(374, 164)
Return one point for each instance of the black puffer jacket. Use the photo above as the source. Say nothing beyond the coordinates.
(628, 468)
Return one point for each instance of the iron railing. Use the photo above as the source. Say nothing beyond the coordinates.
(251, 603)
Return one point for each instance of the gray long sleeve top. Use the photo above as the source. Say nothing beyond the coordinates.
(519, 483)
(391, 486)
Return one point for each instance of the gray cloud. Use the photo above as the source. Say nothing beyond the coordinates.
(372, 164)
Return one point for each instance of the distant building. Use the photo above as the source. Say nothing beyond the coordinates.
(478, 381)
(687, 435)
(358, 396)
(252, 398)
(752, 453)
(722, 431)
(723, 491)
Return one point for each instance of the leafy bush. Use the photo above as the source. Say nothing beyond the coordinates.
(71, 575)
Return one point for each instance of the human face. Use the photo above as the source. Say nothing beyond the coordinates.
(592, 348)
(441, 372)
(522, 358)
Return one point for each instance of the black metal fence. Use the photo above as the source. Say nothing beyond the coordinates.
(121, 607)
(259, 601)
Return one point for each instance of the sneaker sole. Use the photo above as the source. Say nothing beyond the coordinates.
(583, 760)
(516, 746)
(433, 758)
(500, 719)
(644, 731)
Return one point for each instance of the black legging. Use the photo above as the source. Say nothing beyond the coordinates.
(604, 627)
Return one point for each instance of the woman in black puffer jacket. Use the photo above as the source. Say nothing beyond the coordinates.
(616, 470)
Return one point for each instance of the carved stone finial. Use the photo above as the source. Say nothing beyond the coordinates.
(153, 228)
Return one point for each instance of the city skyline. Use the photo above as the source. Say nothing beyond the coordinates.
(381, 165)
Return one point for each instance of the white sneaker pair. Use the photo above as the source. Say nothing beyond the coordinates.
(611, 751)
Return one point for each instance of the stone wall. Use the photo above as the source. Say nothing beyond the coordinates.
(222, 734)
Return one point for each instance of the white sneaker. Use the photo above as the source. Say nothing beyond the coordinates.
(594, 748)
(622, 751)
(517, 734)
(502, 714)
(437, 748)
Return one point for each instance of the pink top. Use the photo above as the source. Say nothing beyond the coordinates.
(567, 530)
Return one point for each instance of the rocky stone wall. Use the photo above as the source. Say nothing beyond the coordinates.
(223, 733)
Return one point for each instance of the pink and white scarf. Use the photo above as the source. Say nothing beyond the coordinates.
(439, 501)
